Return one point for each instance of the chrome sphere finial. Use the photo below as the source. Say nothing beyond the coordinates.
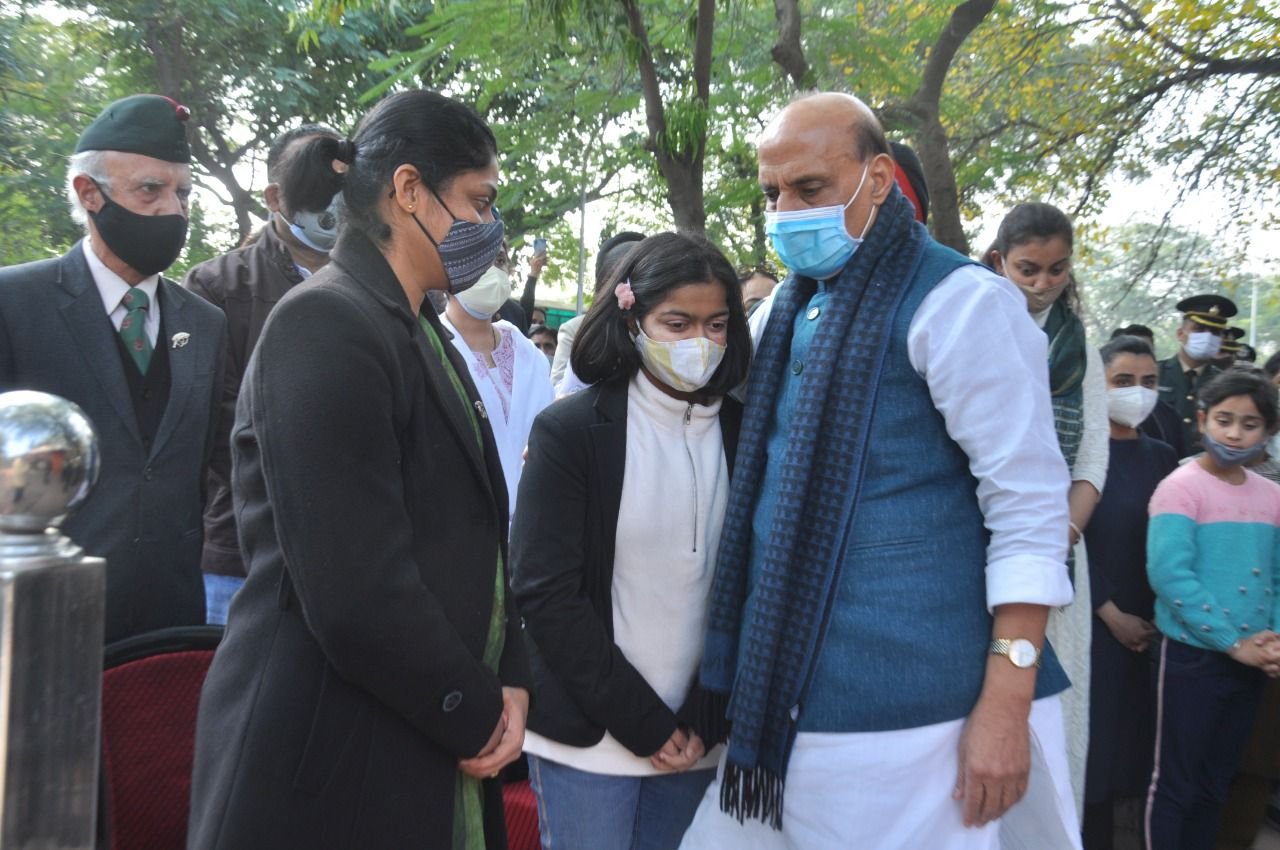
(48, 460)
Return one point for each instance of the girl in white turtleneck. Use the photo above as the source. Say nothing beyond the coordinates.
(613, 550)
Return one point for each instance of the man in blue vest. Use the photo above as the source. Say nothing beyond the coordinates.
(896, 532)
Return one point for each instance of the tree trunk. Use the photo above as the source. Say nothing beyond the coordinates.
(944, 199)
(174, 79)
(935, 155)
(684, 194)
(682, 169)
(788, 51)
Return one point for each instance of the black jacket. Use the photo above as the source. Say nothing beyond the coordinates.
(350, 680)
(143, 515)
(562, 574)
(246, 283)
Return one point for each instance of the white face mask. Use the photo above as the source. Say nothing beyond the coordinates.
(1202, 345)
(685, 365)
(1129, 406)
(489, 293)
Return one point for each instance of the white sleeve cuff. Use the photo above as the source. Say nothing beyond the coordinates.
(1028, 580)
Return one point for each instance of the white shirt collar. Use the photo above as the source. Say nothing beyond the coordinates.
(110, 285)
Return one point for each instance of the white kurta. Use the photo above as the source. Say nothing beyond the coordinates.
(514, 392)
(892, 790)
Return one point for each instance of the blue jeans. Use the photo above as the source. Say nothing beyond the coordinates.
(218, 591)
(592, 811)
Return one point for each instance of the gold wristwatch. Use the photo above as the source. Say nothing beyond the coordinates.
(1021, 652)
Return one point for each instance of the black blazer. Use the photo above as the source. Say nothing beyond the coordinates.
(143, 515)
(350, 679)
(563, 540)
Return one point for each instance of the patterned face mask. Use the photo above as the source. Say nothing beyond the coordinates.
(468, 249)
(685, 365)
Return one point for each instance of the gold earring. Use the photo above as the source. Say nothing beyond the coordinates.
(410, 207)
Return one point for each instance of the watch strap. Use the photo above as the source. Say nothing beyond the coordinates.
(1004, 646)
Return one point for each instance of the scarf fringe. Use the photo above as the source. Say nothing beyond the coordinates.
(754, 793)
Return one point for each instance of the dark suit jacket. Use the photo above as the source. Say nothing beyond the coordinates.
(143, 515)
(1165, 425)
(563, 541)
(245, 284)
(1180, 394)
(350, 679)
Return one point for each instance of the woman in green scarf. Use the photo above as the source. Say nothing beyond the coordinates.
(1033, 249)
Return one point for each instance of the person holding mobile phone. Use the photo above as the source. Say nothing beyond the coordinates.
(537, 263)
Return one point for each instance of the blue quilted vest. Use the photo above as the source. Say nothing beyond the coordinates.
(906, 641)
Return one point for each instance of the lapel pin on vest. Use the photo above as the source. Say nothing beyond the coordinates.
(180, 339)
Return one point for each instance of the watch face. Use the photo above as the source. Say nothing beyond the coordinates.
(1022, 653)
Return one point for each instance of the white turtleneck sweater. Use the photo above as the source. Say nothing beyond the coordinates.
(675, 488)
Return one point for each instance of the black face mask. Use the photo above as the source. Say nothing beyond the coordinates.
(148, 243)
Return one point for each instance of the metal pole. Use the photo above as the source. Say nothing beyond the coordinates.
(51, 621)
(582, 237)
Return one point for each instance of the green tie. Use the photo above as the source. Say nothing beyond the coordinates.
(133, 330)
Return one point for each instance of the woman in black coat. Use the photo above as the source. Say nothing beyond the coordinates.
(372, 681)
(614, 542)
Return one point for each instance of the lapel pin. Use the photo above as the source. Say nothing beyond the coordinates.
(484, 414)
(180, 339)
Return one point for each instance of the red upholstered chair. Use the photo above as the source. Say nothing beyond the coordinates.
(522, 816)
(150, 692)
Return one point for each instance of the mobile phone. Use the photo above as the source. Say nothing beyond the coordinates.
(539, 245)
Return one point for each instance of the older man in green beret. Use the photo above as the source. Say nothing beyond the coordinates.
(142, 356)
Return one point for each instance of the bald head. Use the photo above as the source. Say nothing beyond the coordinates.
(818, 113)
(826, 150)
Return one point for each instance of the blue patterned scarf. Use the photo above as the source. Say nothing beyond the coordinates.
(765, 661)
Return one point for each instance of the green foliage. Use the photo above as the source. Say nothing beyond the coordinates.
(244, 78)
(45, 69)
(1047, 99)
(1138, 273)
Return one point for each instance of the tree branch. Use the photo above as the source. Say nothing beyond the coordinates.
(964, 19)
(702, 44)
(787, 51)
(934, 151)
(655, 115)
(1264, 66)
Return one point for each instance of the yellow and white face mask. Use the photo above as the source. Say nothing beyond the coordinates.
(488, 294)
(685, 365)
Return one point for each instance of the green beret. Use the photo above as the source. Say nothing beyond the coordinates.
(149, 124)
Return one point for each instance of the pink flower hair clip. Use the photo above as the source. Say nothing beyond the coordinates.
(626, 298)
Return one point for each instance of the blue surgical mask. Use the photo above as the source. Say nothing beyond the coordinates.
(1224, 455)
(814, 242)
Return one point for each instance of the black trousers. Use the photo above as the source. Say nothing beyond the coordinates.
(1205, 707)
